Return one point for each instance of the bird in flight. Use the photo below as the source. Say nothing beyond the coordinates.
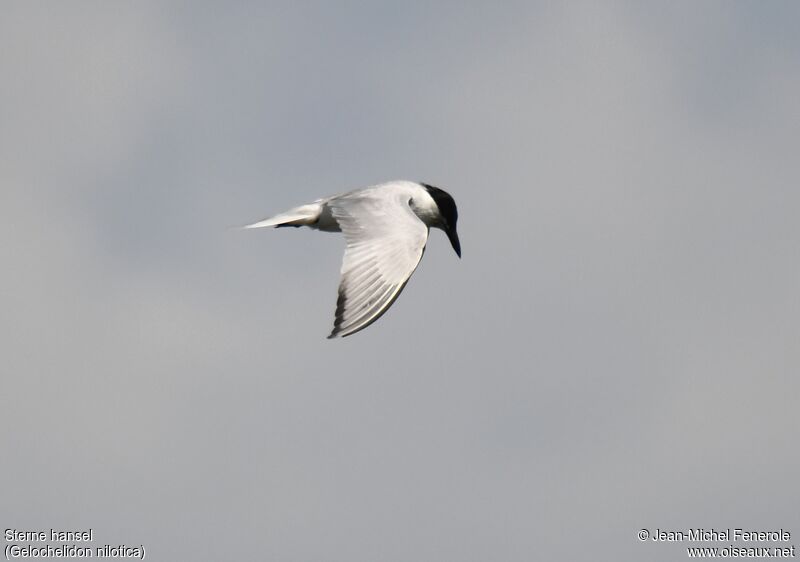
(385, 228)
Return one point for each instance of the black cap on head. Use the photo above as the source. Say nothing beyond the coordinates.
(449, 212)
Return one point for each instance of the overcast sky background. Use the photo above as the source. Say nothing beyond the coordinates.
(617, 349)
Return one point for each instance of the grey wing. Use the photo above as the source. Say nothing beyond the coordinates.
(385, 241)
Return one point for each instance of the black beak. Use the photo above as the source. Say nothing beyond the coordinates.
(453, 236)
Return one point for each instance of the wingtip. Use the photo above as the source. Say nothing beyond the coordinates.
(339, 333)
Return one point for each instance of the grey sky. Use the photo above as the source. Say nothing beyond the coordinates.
(617, 350)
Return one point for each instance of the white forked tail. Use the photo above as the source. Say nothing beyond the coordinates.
(305, 215)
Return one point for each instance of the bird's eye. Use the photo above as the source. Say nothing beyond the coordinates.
(411, 201)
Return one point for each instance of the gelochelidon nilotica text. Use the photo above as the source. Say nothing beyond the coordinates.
(385, 228)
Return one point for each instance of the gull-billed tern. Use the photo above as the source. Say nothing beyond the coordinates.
(385, 228)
